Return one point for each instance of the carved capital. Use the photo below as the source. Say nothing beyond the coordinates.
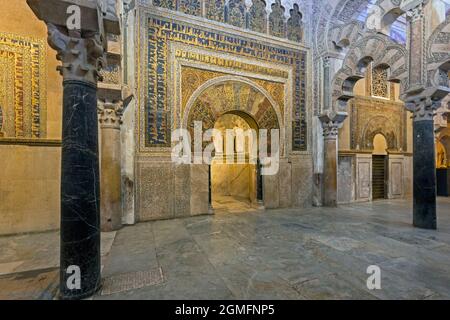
(110, 114)
(330, 130)
(415, 13)
(423, 109)
(331, 123)
(82, 55)
(326, 62)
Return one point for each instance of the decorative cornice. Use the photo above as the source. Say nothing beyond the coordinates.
(31, 142)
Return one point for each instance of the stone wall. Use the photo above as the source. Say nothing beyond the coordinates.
(30, 156)
(29, 188)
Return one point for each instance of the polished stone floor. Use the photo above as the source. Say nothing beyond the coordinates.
(314, 253)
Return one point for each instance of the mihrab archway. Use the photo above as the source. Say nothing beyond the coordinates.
(229, 94)
(234, 103)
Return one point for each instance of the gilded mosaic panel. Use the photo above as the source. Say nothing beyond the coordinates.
(161, 31)
(22, 87)
(111, 74)
(232, 96)
(193, 78)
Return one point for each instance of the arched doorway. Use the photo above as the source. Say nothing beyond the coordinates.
(235, 103)
(379, 167)
(234, 185)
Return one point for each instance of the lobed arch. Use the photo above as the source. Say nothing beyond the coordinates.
(379, 125)
(342, 29)
(376, 48)
(342, 36)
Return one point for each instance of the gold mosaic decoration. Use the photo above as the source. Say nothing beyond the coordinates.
(233, 64)
(22, 86)
(232, 97)
(161, 32)
(192, 78)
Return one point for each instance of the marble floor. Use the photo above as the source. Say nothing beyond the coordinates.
(234, 205)
(314, 253)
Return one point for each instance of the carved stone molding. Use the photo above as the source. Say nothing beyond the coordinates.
(82, 57)
(110, 114)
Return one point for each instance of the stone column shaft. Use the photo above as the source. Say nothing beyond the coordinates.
(80, 190)
(331, 122)
(259, 184)
(82, 58)
(330, 166)
(110, 119)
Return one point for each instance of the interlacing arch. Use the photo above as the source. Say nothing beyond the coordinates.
(390, 11)
(380, 18)
(439, 56)
(376, 48)
(343, 36)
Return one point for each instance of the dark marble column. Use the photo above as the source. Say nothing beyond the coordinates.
(210, 187)
(424, 164)
(82, 57)
(259, 184)
(82, 53)
(80, 190)
(419, 100)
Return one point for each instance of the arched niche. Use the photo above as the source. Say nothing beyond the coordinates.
(376, 126)
(380, 145)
